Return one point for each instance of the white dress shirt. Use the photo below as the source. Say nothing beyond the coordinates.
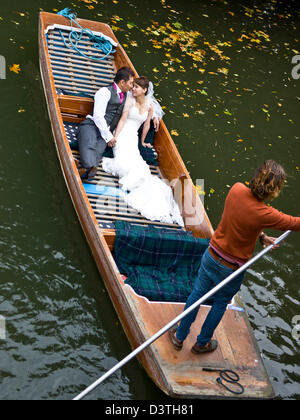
(101, 99)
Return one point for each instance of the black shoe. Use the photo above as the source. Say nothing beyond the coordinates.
(83, 173)
(92, 172)
(211, 346)
(177, 344)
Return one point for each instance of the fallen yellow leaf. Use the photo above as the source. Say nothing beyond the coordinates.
(223, 70)
(15, 68)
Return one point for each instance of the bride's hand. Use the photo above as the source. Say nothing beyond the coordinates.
(112, 142)
(147, 145)
(156, 123)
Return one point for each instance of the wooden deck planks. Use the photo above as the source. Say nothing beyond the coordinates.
(75, 73)
(183, 370)
(110, 209)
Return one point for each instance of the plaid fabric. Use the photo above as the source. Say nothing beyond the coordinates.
(160, 264)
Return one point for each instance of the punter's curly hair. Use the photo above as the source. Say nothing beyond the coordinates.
(268, 180)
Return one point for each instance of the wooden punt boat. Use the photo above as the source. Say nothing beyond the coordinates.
(70, 82)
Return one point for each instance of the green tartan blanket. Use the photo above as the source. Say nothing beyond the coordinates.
(160, 264)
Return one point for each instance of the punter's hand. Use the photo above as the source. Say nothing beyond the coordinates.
(147, 145)
(268, 240)
(112, 142)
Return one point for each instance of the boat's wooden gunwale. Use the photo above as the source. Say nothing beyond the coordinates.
(134, 312)
(93, 233)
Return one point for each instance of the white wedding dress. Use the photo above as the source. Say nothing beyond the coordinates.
(147, 193)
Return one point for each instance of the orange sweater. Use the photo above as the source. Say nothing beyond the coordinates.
(244, 217)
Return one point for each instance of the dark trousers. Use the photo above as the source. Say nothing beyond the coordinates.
(210, 274)
(91, 144)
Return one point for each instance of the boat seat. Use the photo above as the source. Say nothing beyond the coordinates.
(71, 130)
(73, 73)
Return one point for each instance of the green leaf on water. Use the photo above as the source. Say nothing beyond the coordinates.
(130, 25)
(177, 25)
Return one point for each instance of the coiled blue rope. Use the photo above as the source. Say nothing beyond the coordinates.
(100, 43)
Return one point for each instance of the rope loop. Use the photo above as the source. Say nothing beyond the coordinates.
(99, 42)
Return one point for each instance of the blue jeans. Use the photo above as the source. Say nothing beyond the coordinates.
(211, 273)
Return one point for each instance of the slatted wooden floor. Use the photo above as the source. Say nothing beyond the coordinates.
(108, 209)
(73, 72)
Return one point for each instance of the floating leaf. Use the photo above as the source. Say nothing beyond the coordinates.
(177, 25)
(223, 70)
(174, 133)
(15, 68)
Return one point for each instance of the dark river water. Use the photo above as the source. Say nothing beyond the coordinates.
(223, 72)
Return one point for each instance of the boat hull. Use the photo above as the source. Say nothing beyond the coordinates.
(178, 374)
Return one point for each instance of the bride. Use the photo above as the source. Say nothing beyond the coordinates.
(147, 193)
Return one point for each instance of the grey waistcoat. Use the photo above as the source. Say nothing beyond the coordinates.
(114, 109)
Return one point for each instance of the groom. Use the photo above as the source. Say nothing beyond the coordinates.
(95, 132)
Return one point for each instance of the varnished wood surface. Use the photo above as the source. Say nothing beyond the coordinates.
(183, 370)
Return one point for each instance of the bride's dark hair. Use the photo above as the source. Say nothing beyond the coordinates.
(142, 81)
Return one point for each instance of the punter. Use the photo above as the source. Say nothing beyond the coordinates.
(244, 217)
